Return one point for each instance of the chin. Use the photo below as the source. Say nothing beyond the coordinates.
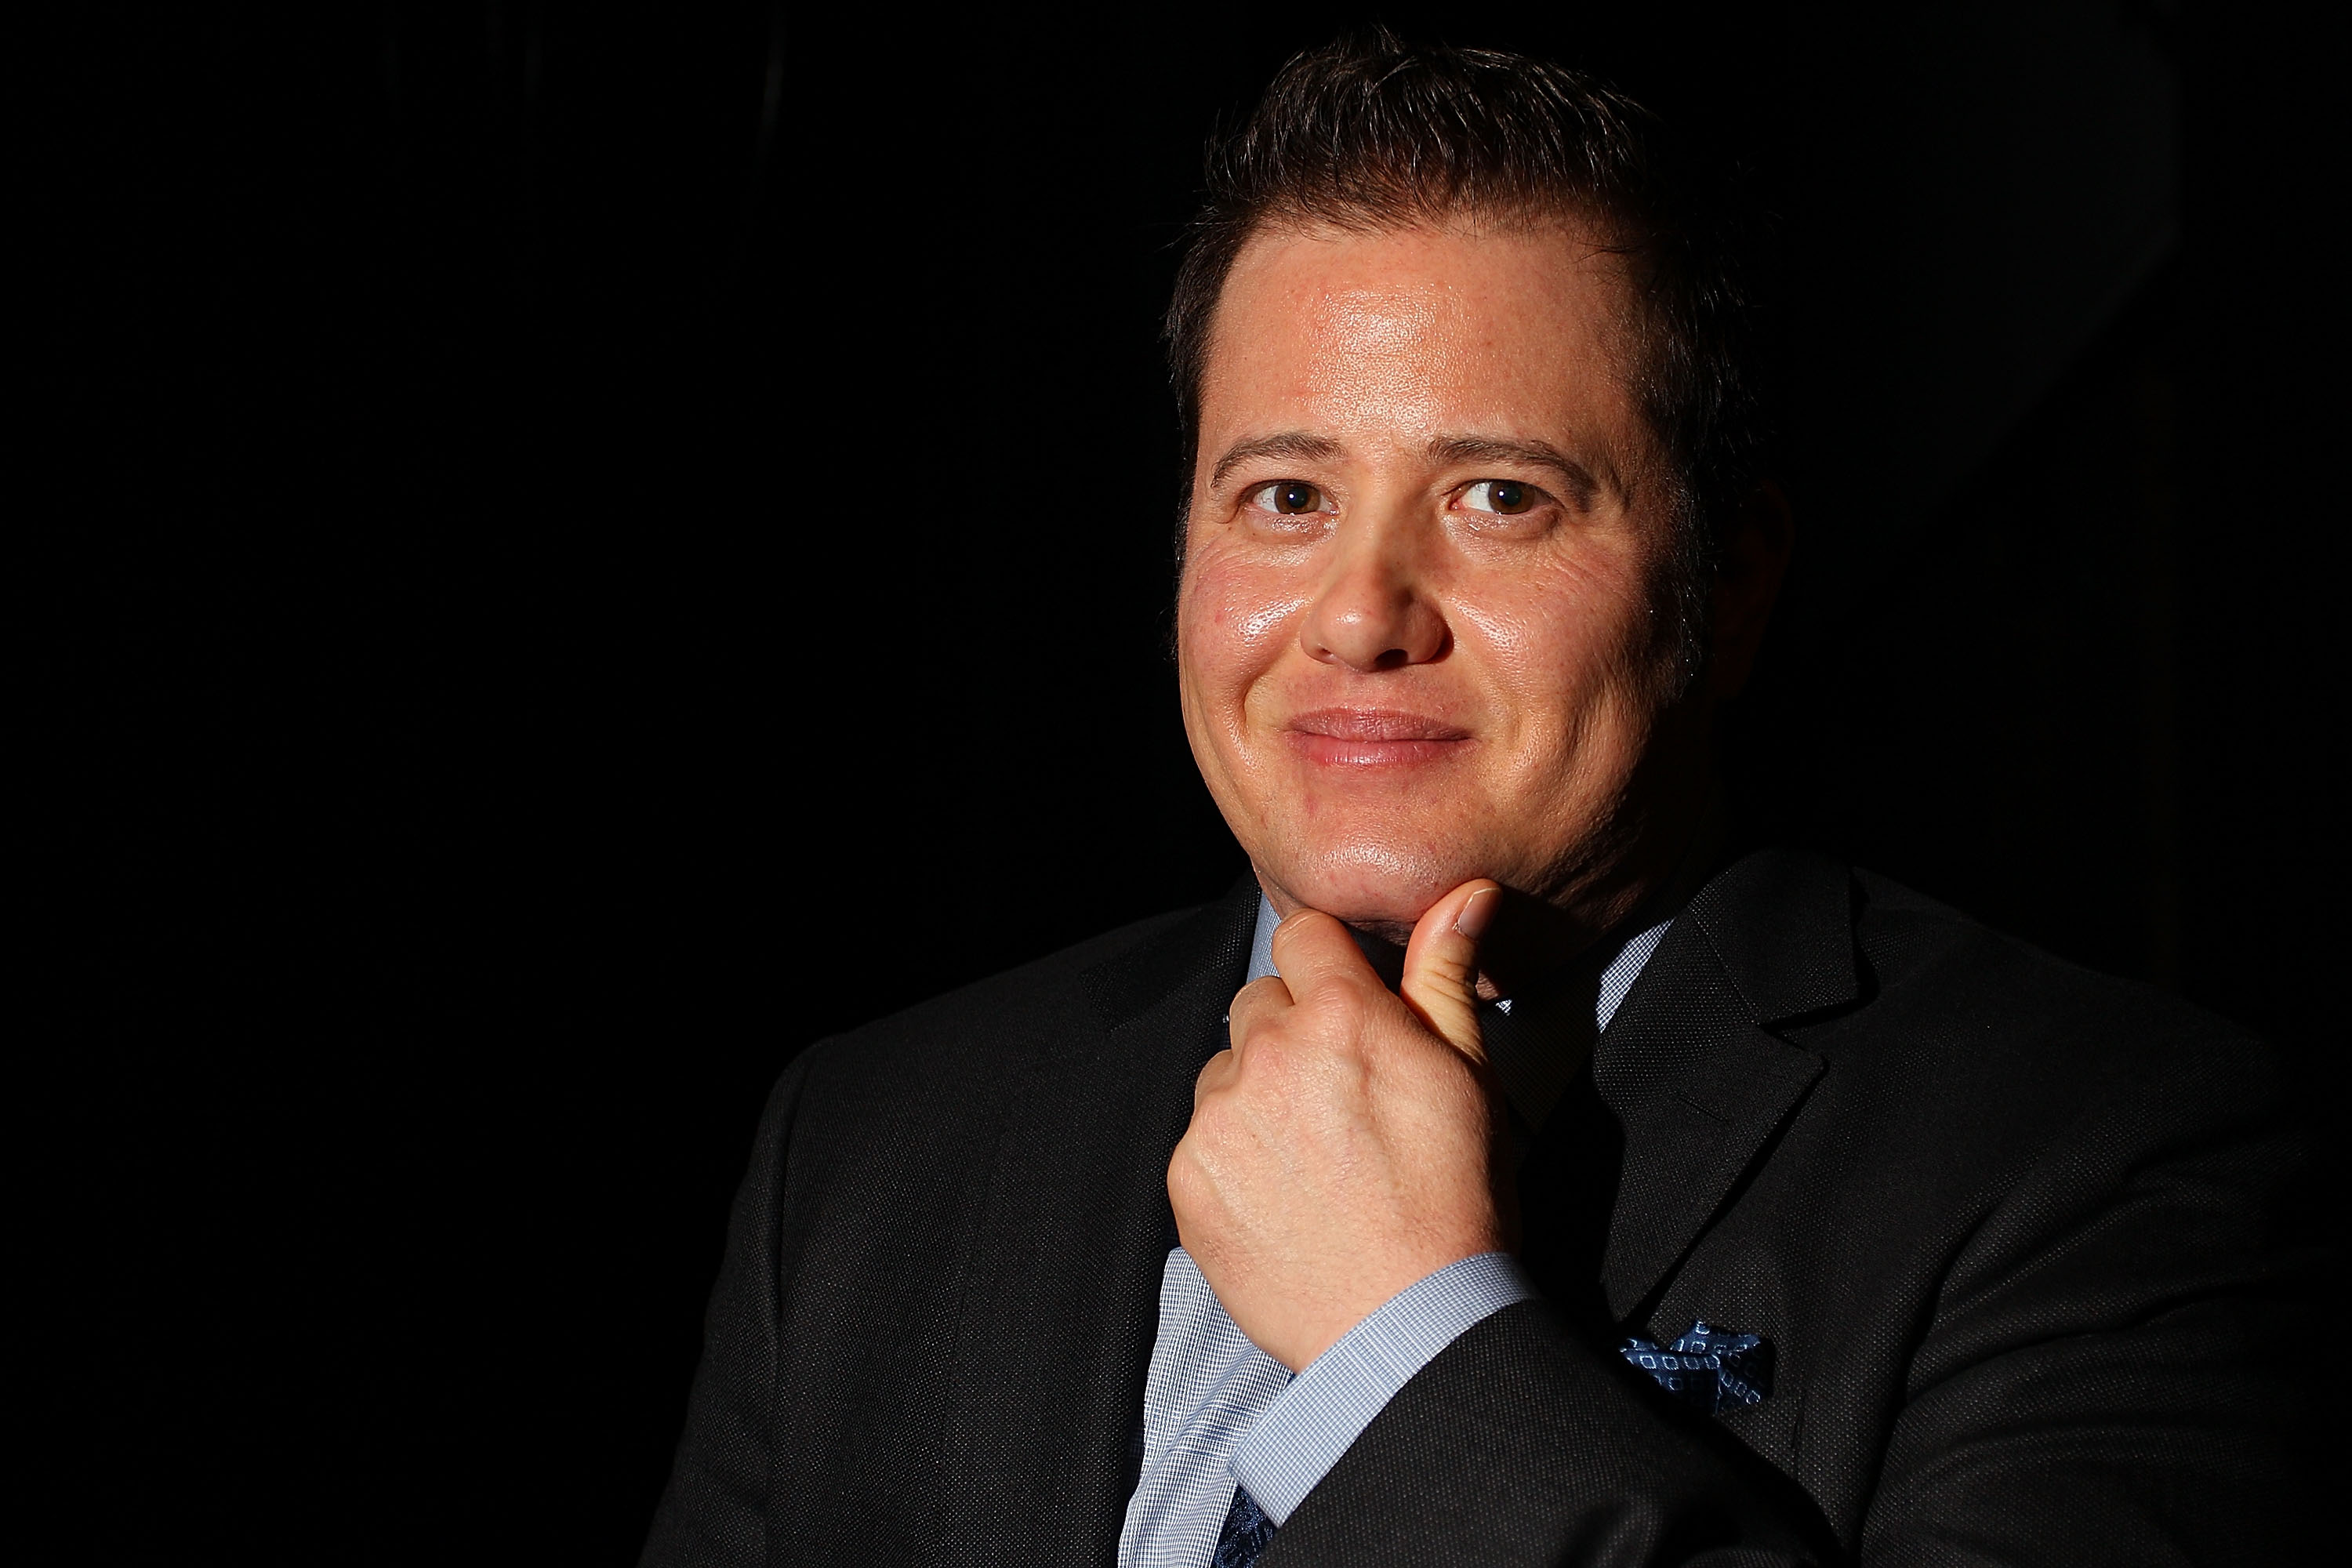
(1377, 886)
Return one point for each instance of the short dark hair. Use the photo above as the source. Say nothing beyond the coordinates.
(1371, 133)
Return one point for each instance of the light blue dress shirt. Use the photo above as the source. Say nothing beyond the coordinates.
(1218, 1411)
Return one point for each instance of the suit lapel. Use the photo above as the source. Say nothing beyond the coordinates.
(1689, 1068)
(1061, 1297)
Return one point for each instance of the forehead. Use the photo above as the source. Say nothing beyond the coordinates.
(1420, 328)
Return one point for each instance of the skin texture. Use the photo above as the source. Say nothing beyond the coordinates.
(1427, 652)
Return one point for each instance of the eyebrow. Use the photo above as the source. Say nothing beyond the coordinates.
(1536, 454)
(1287, 443)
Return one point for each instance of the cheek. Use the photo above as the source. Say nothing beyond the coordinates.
(1559, 634)
(1568, 652)
(1234, 618)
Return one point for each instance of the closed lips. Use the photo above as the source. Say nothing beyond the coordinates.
(1374, 737)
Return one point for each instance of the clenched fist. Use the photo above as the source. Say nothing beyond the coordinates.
(1343, 1147)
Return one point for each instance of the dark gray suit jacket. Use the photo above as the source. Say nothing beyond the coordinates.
(2012, 1229)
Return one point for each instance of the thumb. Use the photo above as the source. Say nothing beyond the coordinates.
(1441, 964)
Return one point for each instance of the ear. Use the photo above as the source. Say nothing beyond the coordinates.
(1754, 558)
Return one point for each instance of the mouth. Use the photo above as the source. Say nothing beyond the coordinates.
(1373, 737)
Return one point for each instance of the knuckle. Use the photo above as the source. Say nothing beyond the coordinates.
(1339, 993)
(1212, 1077)
(1449, 965)
(1267, 1057)
(1185, 1186)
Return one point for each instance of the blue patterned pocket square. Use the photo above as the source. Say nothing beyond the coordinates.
(1709, 1367)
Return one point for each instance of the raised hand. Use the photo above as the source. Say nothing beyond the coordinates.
(1342, 1147)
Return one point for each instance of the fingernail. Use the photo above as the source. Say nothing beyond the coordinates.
(1478, 913)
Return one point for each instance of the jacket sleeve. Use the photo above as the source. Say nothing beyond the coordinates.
(2110, 1374)
(2102, 1376)
(1519, 1444)
(714, 1512)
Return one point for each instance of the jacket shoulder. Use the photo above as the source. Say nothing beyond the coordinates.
(990, 1024)
(1955, 1008)
(1913, 946)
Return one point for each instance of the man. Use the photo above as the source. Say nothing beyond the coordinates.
(1505, 1172)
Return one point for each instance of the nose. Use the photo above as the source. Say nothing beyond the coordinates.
(1371, 612)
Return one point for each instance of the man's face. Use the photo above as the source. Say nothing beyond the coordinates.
(1424, 632)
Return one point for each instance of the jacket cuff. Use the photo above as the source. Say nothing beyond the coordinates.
(1324, 1408)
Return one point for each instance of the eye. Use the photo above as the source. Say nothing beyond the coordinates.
(1288, 498)
(1507, 497)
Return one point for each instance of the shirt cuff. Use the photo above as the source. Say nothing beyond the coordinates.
(1320, 1415)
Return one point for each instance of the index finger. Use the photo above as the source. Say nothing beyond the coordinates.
(1311, 947)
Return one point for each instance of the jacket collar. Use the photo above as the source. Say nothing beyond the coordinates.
(1782, 924)
(1213, 941)
(1060, 1302)
(1690, 1068)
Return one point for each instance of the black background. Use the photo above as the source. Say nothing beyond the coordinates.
(565, 554)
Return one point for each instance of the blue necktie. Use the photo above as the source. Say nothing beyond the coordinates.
(1246, 1531)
